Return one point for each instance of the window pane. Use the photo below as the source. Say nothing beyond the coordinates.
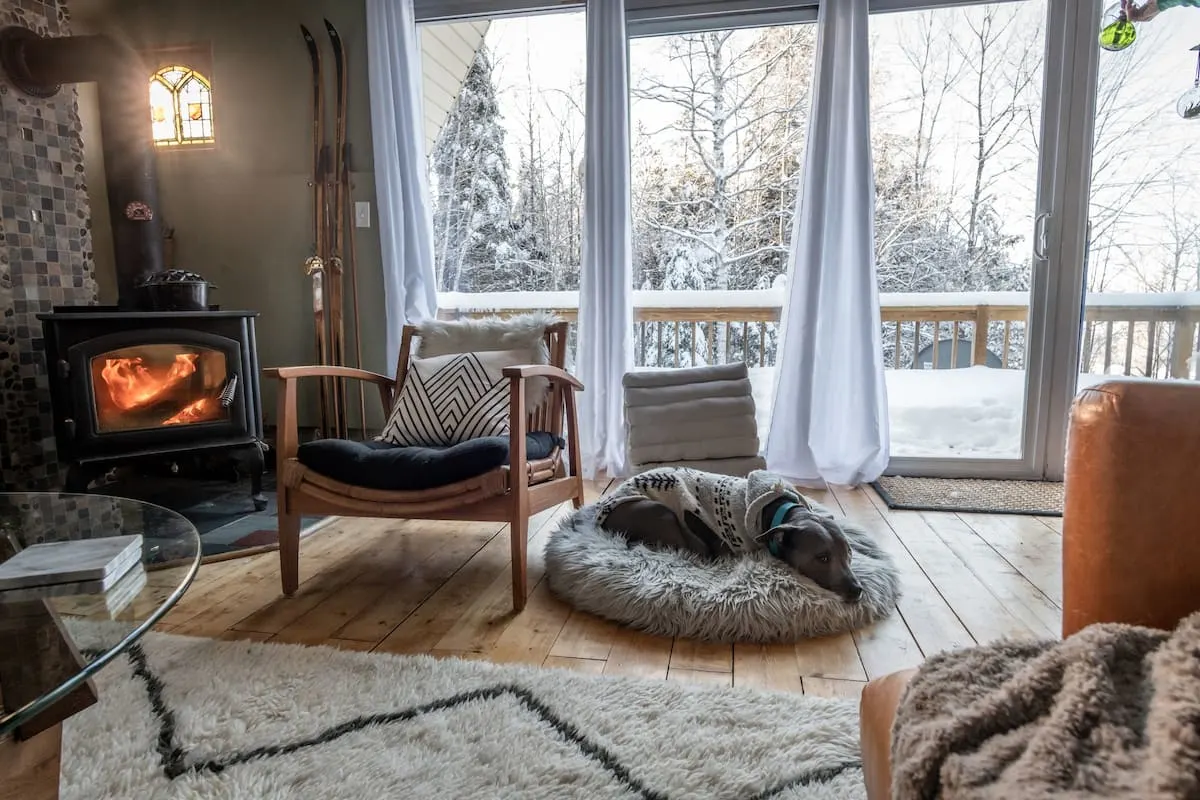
(1142, 309)
(162, 112)
(955, 118)
(180, 107)
(195, 104)
(718, 127)
(504, 125)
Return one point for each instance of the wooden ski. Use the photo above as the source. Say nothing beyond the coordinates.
(345, 243)
(336, 276)
(352, 261)
(314, 266)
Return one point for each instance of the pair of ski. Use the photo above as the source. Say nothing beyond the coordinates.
(333, 250)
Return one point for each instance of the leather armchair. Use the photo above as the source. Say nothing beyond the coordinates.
(1131, 530)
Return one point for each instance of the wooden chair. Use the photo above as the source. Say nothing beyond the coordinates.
(492, 497)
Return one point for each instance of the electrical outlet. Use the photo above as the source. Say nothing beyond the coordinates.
(362, 214)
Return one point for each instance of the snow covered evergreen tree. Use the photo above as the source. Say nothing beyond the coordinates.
(473, 231)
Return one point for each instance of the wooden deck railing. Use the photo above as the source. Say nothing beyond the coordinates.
(1141, 334)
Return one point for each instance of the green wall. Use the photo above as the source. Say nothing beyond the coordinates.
(242, 211)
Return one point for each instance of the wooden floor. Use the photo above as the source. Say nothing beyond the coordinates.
(443, 588)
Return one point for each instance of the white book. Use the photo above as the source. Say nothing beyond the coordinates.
(88, 598)
(97, 562)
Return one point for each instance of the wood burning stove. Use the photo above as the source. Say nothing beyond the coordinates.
(127, 382)
(136, 385)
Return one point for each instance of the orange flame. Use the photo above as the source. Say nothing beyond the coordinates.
(131, 384)
(196, 411)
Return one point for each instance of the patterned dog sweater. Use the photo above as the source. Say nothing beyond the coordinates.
(731, 507)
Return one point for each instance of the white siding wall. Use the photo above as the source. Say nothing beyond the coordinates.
(447, 50)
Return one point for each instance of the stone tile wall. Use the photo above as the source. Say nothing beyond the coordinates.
(45, 252)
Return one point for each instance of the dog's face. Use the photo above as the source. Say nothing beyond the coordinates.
(816, 547)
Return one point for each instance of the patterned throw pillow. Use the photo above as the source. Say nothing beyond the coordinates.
(449, 399)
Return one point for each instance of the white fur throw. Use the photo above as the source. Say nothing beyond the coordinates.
(524, 332)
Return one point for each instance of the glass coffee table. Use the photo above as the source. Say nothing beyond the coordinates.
(50, 647)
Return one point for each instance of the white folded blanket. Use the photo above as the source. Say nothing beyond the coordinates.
(646, 379)
(669, 414)
(693, 430)
(739, 467)
(684, 393)
(715, 447)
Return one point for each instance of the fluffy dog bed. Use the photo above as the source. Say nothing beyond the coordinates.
(753, 598)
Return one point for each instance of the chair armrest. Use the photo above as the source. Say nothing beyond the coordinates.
(289, 373)
(554, 374)
(518, 376)
(287, 420)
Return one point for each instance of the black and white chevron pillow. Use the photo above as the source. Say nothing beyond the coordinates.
(449, 399)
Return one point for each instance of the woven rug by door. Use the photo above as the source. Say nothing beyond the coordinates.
(973, 495)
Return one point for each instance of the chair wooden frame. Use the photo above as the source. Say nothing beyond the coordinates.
(492, 497)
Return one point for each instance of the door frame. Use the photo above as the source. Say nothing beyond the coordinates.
(1055, 298)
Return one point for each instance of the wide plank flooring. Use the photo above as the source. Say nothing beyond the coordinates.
(443, 588)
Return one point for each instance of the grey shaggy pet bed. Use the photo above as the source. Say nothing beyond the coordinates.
(752, 598)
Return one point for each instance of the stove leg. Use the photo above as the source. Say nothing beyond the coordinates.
(78, 478)
(256, 462)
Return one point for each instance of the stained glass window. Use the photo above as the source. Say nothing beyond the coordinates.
(181, 107)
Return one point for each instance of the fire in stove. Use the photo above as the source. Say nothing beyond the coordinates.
(158, 385)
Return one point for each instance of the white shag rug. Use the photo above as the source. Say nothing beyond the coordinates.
(751, 598)
(195, 718)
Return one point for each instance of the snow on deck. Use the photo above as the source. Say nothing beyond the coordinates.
(947, 413)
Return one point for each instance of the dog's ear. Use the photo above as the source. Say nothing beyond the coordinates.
(774, 539)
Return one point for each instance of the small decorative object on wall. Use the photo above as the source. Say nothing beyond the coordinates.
(181, 107)
(139, 212)
(1189, 104)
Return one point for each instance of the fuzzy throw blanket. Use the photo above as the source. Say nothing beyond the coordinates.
(1111, 712)
(731, 507)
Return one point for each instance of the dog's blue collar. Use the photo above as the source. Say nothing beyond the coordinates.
(776, 521)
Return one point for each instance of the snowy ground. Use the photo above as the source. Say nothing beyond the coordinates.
(951, 413)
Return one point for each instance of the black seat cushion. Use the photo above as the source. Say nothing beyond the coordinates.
(381, 465)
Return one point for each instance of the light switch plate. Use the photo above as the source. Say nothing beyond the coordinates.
(362, 214)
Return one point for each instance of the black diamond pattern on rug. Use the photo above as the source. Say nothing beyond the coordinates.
(176, 760)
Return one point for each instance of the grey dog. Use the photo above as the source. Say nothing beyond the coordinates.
(810, 543)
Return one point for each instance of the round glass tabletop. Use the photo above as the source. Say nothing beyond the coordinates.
(72, 607)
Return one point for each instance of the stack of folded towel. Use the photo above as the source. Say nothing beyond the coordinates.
(702, 417)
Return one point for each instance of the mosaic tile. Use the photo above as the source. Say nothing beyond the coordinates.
(45, 259)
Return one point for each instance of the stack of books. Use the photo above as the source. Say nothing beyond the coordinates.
(108, 568)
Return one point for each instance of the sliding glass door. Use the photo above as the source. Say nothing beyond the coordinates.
(968, 118)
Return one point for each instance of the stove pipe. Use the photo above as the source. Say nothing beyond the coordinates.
(39, 66)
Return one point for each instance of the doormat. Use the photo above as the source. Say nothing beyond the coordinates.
(220, 509)
(972, 495)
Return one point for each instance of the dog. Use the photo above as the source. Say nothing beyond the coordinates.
(810, 543)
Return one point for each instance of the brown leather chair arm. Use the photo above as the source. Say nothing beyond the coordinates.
(877, 712)
(1131, 523)
(543, 371)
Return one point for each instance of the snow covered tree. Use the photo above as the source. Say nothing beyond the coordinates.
(473, 232)
(711, 215)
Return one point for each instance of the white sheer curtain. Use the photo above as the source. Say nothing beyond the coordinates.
(829, 423)
(605, 282)
(401, 185)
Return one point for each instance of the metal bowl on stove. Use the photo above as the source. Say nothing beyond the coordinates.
(175, 290)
